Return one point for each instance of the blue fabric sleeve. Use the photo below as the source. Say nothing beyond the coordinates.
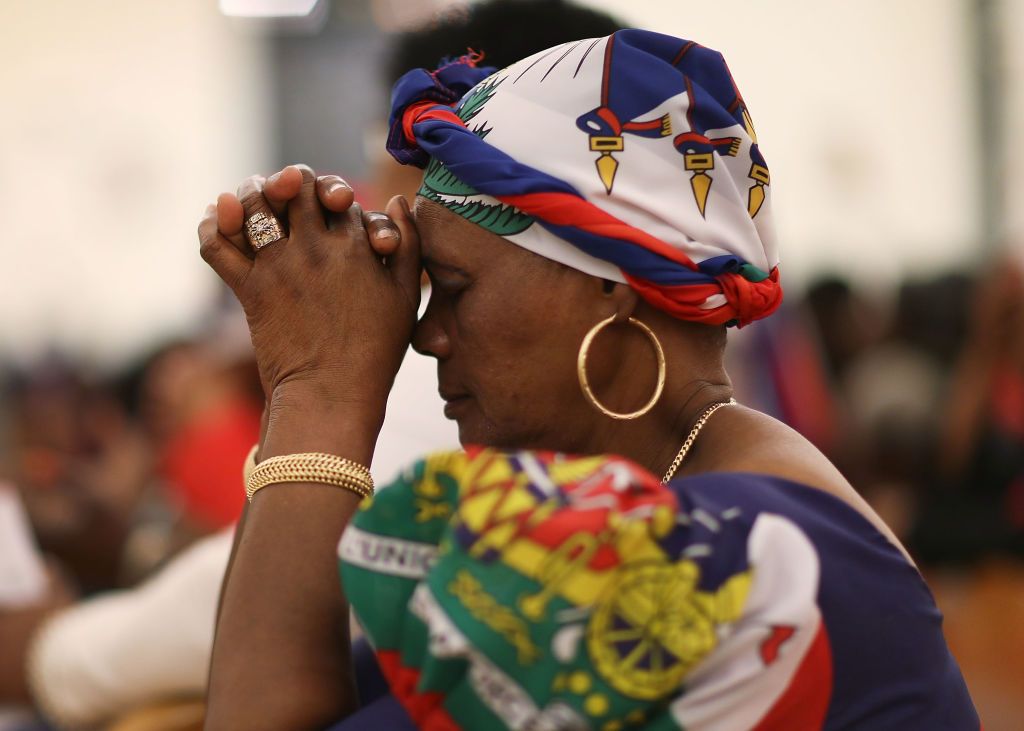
(384, 713)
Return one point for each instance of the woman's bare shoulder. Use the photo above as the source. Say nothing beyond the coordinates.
(758, 443)
(761, 443)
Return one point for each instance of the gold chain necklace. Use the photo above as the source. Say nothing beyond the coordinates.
(685, 449)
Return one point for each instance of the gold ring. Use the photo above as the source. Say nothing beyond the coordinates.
(262, 230)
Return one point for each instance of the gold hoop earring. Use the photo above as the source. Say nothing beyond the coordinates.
(581, 369)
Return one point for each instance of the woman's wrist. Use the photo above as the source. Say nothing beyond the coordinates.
(308, 417)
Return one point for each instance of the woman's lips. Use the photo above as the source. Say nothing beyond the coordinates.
(454, 403)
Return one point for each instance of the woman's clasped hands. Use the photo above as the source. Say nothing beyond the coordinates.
(332, 303)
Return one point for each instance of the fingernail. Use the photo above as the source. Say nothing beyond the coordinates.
(386, 233)
(337, 187)
(274, 178)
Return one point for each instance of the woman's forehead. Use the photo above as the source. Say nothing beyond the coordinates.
(449, 240)
(446, 237)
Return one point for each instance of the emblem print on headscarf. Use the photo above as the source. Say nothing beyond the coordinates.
(622, 98)
(605, 126)
(706, 111)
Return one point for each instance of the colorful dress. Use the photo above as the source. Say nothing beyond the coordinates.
(535, 591)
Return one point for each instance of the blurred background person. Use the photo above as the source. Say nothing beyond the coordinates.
(975, 508)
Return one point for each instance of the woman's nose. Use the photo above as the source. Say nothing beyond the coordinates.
(429, 337)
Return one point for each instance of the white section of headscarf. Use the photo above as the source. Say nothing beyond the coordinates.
(532, 117)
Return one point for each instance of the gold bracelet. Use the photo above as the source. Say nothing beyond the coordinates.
(250, 464)
(311, 467)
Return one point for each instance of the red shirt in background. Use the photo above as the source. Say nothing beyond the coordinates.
(203, 462)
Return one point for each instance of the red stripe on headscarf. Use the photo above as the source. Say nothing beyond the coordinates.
(683, 301)
(564, 209)
(746, 301)
(423, 111)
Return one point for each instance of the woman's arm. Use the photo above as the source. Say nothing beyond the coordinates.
(281, 654)
(330, 323)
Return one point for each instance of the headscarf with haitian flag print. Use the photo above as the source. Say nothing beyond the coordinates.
(539, 592)
(631, 157)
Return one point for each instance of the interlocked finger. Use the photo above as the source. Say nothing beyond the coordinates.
(262, 225)
(335, 195)
(229, 220)
(382, 232)
(276, 190)
(222, 254)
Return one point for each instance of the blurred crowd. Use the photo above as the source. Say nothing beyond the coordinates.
(916, 393)
(118, 472)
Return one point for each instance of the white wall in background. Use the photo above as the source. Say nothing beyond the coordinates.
(1013, 201)
(121, 120)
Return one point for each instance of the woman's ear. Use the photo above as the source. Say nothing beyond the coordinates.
(624, 298)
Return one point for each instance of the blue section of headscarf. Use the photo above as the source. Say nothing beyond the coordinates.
(445, 86)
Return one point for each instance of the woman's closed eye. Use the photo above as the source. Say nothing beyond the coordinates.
(446, 280)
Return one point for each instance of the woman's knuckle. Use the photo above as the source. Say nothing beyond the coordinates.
(308, 173)
(252, 199)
